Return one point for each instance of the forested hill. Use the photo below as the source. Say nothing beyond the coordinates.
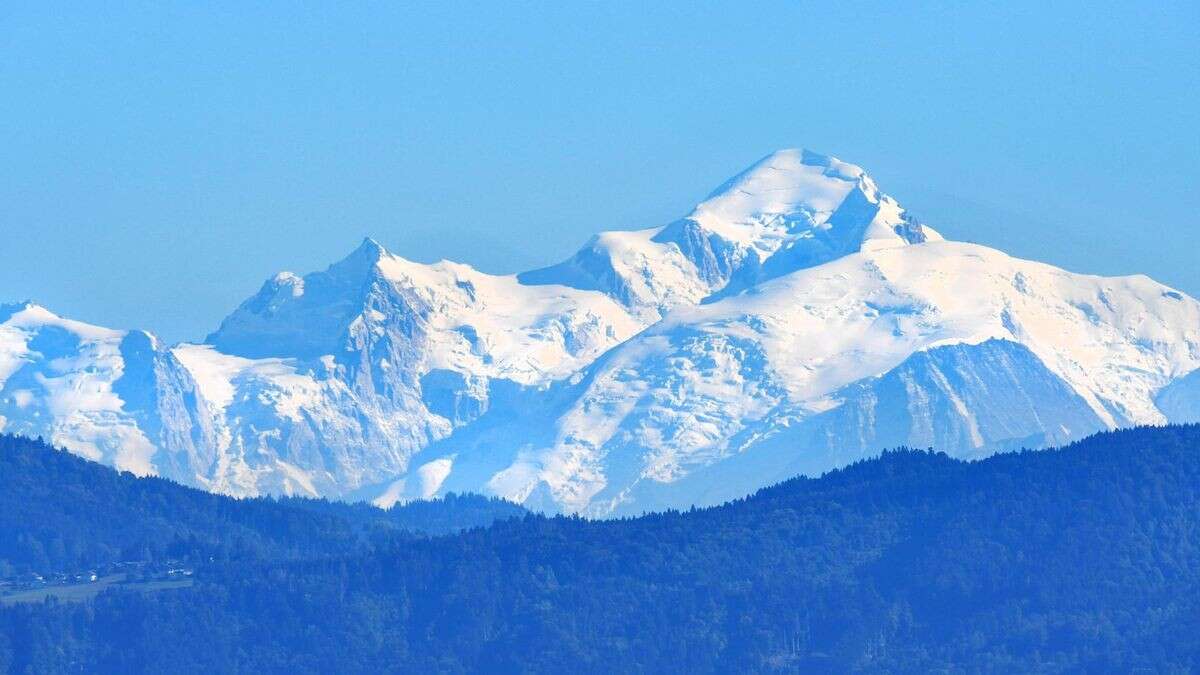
(60, 513)
(1084, 559)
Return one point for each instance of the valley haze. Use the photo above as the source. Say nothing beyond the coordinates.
(797, 320)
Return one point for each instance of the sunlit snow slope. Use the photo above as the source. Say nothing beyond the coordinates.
(796, 320)
(949, 345)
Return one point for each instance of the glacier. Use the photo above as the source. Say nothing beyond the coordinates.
(796, 320)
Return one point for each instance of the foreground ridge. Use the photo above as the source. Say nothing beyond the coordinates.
(1075, 559)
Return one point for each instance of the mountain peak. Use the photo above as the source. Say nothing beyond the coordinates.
(797, 197)
(793, 160)
(16, 306)
(371, 247)
(789, 210)
(785, 182)
(368, 252)
(783, 169)
(9, 310)
(295, 315)
(360, 264)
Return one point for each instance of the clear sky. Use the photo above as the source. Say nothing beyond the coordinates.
(157, 164)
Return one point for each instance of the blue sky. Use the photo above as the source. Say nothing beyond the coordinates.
(158, 163)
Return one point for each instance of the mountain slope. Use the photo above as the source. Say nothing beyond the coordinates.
(111, 396)
(837, 361)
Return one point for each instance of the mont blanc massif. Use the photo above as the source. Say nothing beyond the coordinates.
(797, 320)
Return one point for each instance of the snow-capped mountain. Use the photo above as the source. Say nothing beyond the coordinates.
(797, 320)
(790, 210)
(328, 382)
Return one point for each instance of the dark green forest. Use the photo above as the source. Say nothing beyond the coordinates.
(1081, 559)
(59, 513)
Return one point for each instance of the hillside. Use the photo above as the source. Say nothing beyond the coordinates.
(62, 514)
(1085, 558)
